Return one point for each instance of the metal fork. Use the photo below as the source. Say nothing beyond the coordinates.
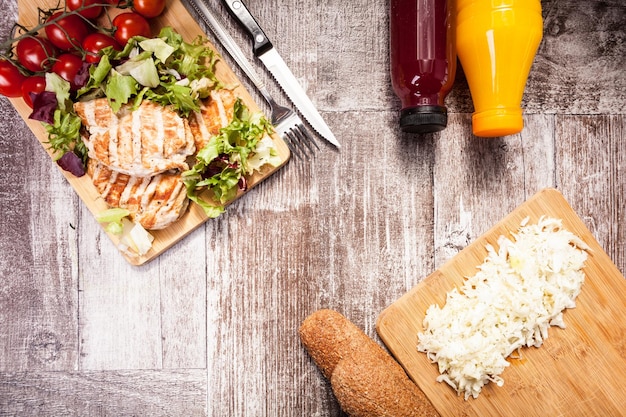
(286, 122)
(289, 126)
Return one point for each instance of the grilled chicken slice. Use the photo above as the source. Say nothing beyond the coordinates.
(155, 202)
(216, 112)
(144, 142)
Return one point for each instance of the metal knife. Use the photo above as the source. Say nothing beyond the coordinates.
(201, 8)
(266, 52)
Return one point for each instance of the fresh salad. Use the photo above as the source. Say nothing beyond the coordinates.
(70, 56)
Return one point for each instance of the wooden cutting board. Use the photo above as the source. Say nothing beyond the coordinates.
(176, 16)
(579, 370)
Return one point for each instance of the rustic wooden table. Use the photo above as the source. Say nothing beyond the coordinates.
(210, 327)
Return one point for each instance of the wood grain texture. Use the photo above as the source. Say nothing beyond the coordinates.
(547, 381)
(351, 230)
(115, 393)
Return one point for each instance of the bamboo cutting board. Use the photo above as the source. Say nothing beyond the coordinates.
(579, 370)
(176, 16)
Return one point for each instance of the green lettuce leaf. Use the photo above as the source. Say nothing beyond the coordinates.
(222, 164)
(60, 87)
(97, 76)
(119, 89)
(113, 217)
(178, 74)
(180, 96)
(159, 47)
(142, 68)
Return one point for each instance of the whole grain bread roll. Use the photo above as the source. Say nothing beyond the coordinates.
(329, 337)
(365, 379)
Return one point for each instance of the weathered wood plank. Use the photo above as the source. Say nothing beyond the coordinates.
(182, 280)
(148, 317)
(112, 393)
(38, 256)
(592, 175)
(313, 241)
(119, 308)
(350, 230)
(477, 181)
(580, 63)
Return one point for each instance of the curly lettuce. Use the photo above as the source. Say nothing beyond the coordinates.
(238, 150)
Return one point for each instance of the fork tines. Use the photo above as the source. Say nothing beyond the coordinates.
(300, 141)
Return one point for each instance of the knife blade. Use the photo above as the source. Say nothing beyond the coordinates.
(265, 51)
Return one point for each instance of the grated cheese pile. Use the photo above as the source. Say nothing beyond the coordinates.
(517, 294)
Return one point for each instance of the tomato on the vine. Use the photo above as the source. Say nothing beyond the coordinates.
(68, 32)
(130, 24)
(35, 53)
(11, 79)
(96, 41)
(91, 11)
(66, 67)
(32, 85)
(149, 8)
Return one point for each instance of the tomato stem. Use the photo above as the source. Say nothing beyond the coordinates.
(44, 22)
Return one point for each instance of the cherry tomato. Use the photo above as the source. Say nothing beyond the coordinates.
(130, 24)
(35, 53)
(90, 12)
(149, 8)
(68, 32)
(35, 84)
(66, 67)
(94, 42)
(11, 79)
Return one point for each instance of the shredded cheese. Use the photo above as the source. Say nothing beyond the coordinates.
(519, 291)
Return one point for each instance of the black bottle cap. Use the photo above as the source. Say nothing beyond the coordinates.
(423, 119)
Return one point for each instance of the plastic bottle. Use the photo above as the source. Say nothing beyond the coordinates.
(496, 43)
(423, 61)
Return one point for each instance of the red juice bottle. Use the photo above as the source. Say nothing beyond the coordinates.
(423, 61)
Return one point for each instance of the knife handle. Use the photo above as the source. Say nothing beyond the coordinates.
(240, 12)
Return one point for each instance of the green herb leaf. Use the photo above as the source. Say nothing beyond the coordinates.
(64, 133)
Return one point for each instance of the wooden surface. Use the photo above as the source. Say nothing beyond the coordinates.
(177, 17)
(545, 381)
(210, 326)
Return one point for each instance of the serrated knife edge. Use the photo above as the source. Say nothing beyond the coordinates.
(265, 51)
(285, 78)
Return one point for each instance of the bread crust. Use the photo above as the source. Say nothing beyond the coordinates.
(329, 337)
(365, 379)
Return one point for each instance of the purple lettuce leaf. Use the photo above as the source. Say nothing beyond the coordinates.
(72, 163)
(44, 105)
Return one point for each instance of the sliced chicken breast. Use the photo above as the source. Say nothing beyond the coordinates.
(216, 112)
(155, 202)
(147, 141)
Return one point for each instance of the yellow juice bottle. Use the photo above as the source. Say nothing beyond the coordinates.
(496, 44)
